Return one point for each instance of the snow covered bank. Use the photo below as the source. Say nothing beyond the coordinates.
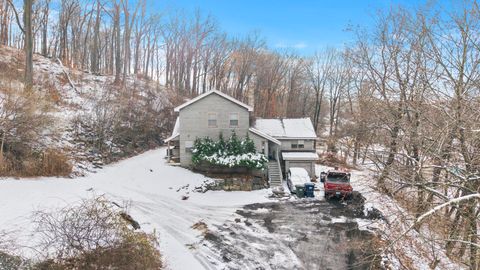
(153, 192)
(412, 250)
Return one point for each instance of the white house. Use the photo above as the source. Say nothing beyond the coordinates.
(286, 142)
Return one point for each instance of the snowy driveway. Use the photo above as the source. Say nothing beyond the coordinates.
(153, 191)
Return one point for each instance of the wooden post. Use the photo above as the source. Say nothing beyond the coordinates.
(168, 151)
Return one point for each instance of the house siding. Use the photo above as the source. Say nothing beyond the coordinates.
(194, 122)
(258, 143)
(287, 145)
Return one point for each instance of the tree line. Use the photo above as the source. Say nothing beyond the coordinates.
(187, 53)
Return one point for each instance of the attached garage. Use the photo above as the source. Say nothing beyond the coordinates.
(304, 160)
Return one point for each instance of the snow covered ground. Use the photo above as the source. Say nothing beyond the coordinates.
(153, 191)
(414, 250)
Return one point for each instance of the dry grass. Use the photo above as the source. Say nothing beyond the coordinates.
(50, 89)
(51, 162)
(54, 163)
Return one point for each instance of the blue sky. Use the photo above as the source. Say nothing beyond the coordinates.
(303, 25)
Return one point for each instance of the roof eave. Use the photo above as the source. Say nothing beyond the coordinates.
(300, 159)
(238, 102)
(264, 135)
(171, 138)
(295, 138)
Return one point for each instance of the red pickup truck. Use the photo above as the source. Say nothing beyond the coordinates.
(336, 183)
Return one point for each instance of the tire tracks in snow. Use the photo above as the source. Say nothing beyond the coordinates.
(176, 218)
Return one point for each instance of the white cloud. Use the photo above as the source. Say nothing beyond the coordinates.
(298, 45)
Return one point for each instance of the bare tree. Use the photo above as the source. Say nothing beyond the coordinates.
(27, 18)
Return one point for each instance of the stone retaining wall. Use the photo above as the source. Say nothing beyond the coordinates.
(234, 179)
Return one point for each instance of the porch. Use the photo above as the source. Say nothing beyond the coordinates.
(173, 150)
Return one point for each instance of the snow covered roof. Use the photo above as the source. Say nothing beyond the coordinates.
(206, 94)
(176, 131)
(299, 156)
(289, 128)
(264, 135)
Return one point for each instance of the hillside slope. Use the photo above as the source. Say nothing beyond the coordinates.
(92, 118)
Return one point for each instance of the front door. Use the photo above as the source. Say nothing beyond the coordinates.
(272, 152)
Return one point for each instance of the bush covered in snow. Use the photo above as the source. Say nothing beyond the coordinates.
(233, 152)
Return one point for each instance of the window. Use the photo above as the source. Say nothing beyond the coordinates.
(212, 120)
(234, 120)
(301, 144)
(188, 146)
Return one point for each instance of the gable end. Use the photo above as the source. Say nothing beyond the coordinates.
(223, 95)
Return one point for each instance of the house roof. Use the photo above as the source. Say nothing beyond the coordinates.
(289, 128)
(206, 94)
(299, 156)
(263, 135)
(175, 132)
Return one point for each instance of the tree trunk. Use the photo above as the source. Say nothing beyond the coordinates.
(27, 20)
(94, 54)
(118, 62)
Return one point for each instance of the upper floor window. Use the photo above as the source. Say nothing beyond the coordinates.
(234, 120)
(300, 144)
(212, 120)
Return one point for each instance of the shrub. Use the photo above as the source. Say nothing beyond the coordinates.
(54, 163)
(233, 152)
(24, 118)
(92, 235)
(49, 162)
(8, 261)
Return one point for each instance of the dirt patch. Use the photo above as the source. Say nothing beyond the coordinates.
(352, 207)
(267, 222)
(200, 226)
